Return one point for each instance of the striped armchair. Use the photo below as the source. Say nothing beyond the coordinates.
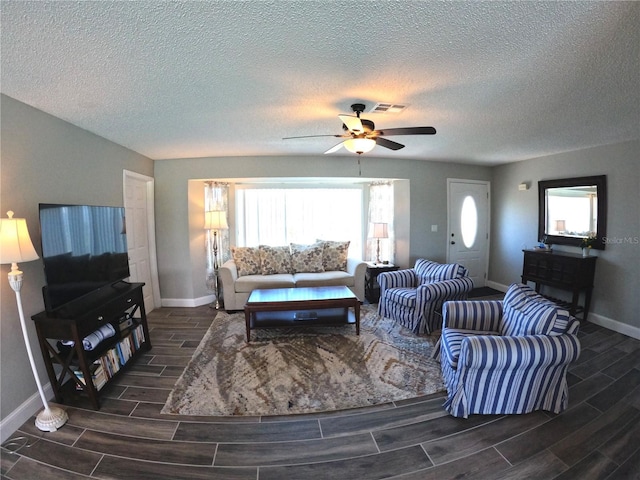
(414, 297)
(510, 356)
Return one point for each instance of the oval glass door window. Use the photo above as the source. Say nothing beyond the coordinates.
(469, 221)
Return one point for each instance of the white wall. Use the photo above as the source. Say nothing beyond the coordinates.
(515, 224)
(45, 159)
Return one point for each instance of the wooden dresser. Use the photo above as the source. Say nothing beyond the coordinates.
(564, 271)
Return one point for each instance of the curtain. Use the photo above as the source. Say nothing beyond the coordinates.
(381, 211)
(216, 198)
(279, 216)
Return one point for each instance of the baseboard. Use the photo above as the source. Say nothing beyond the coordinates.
(616, 326)
(188, 302)
(24, 412)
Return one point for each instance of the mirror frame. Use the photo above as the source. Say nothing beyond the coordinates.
(600, 181)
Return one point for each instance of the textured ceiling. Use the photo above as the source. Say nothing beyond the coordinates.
(500, 81)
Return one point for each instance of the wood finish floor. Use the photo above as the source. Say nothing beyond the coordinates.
(128, 438)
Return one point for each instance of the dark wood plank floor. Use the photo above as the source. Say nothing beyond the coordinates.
(597, 437)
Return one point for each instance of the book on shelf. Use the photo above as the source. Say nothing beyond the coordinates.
(112, 360)
(98, 375)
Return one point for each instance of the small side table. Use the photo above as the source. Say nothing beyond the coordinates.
(371, 287)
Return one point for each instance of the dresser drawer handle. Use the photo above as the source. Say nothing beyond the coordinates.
(129, 300)
(100, 318)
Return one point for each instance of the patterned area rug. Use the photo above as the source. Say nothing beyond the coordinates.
(302, 370)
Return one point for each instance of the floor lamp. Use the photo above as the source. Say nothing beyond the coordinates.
(215, 220)
(379, 231)
(16, 246)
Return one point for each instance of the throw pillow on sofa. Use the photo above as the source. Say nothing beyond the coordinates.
(247, 260)
(307, 258)
(274, 260)
(334, 255)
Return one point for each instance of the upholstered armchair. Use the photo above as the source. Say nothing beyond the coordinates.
(511, 356)
(414, 297)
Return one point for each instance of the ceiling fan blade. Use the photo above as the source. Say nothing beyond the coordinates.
(313, 136)
(335, 148)
(383, 142)
(408, 131)
(353, 123)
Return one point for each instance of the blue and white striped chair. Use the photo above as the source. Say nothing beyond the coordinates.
(510, 356)
(414, 297)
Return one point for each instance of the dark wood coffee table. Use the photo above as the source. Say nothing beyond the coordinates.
(287, 307)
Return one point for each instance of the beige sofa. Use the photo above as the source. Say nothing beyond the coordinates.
(236, 289)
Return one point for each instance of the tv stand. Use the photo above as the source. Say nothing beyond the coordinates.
(120, 284)
(91, 370)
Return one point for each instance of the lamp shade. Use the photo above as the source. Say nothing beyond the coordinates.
(215, 220)
(359, 145)
(15, 242)
(380, 230)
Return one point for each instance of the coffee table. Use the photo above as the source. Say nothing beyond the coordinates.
(287, 307)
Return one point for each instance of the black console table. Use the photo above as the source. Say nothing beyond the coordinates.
(122, 306)
(564, 271)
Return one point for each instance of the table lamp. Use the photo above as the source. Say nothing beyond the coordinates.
(379, 231)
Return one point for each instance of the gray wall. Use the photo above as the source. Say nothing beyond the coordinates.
(45, 159)
(180, 237)
(515, 222)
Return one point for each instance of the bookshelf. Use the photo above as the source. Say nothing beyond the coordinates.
(118, 308)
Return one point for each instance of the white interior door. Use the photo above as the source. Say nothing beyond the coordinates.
(468, 227)
(138, 204)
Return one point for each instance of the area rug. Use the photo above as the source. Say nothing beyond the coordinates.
(305, 369)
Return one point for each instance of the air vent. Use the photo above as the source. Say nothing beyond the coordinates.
(388, 108)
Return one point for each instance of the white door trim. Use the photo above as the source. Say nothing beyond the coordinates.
(151, 230)
(479, 182)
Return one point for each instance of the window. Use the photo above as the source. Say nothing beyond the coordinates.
(469, 221)
(276, 215)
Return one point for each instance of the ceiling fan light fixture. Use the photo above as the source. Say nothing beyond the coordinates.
(359, 145)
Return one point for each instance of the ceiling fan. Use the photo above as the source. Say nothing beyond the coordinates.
(361, 135)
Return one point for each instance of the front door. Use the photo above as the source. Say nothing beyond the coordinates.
(468, 227)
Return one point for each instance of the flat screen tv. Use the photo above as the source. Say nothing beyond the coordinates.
(84, 248)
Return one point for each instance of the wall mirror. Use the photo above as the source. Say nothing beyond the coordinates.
(570, 209)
